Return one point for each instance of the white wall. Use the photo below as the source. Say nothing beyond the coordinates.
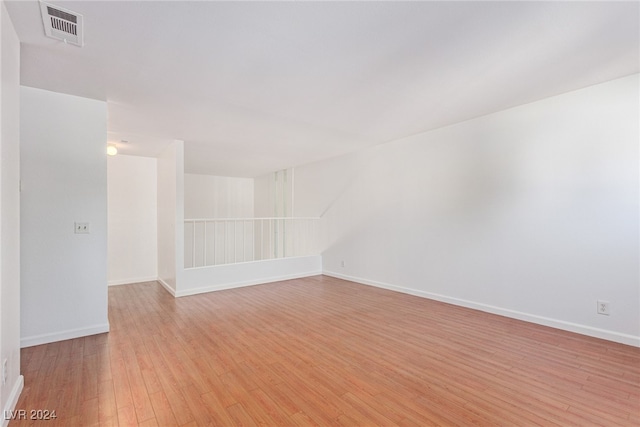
(171, 216)
(9, 212)
(64, 179)
(132, 220)
(273, 194)
(207, 196)
(225, 197)
(219, 277)
(530, 212)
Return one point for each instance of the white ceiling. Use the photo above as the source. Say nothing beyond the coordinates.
(256, 87)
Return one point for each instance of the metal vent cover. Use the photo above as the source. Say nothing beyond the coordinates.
(62, 24)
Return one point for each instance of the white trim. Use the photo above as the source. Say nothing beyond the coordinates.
(13, 400)
(250, 218)
(132, 281)
(260, 281)
(63, 335)
(202, 267)
(166, 286)
(527, 317)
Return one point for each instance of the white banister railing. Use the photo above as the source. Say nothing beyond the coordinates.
(217, 241)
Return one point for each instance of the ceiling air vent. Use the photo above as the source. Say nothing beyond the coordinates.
(62, 24)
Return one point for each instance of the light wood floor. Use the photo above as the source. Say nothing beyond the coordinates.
(322, 351)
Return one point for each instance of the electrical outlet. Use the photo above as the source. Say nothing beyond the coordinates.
(82, 227)
(5, 372)
(342, 263)
(603, 307)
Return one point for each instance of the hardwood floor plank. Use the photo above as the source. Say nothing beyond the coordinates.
(127, 416)
(277, 414)
(323, 351)
(139, 392)
(196, 405)
(107, 408)
(148, 372)
(121, 383)
(284, 397)
(240, 416)
(303, 420)
(90, 412)
(406, 412)
(177, 403)
(152, 422)
(368, 413)
(216, 410)
(162, 409)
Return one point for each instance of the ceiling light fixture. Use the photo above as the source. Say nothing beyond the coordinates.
(112, 150)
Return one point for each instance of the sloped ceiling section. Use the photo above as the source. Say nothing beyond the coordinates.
(256, 87)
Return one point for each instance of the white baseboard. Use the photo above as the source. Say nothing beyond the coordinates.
(131, 281)
(260, 281)
(527, 317)
(63, 335)
(166, 286)
(12, 401)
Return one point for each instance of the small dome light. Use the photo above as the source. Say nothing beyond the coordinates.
(112, 150)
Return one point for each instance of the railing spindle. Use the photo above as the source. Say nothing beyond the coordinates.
(204, 249)
(193, 244)
(282, 237)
